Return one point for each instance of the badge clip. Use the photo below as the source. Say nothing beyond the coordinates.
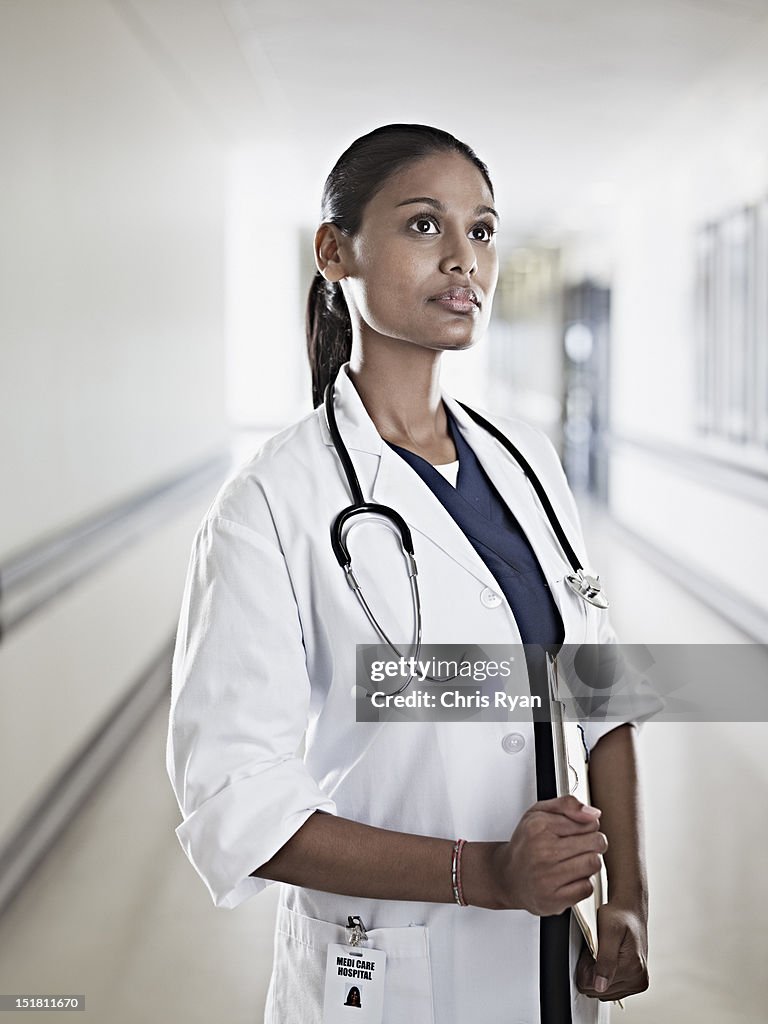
(356, 929)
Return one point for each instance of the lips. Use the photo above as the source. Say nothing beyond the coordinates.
(458, 300)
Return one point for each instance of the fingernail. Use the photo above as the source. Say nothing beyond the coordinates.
(591, 810)
(601, 983)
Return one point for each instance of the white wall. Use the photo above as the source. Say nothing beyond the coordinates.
(113, 194)
(111, 281)
(269, 377)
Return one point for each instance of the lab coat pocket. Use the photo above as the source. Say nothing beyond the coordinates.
(298, 975)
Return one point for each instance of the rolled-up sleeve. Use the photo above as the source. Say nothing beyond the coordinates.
(239, 708)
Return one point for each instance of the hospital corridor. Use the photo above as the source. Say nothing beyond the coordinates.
(601, 232)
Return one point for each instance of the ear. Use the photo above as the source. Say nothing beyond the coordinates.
(329, 252)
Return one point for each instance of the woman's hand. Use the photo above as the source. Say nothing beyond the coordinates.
(621, 968)
(547, 864)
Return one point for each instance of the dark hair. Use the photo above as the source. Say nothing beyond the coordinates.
(359, 173)
(353, 1000)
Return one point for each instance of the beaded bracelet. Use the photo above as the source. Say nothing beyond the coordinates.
(458, 892)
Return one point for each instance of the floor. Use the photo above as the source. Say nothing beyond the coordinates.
(116, 912)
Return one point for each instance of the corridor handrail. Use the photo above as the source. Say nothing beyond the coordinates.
(36, 575)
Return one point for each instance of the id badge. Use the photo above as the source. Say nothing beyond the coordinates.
(354, 982)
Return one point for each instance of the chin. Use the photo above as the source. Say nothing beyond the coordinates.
(454, 345)
(462, 336)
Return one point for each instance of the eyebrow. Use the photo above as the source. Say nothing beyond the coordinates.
(439, 206)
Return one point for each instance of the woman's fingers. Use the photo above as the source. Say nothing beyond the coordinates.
(574, 846)
(569, 806)
(576, 869)
(565, 816)
(573, 893)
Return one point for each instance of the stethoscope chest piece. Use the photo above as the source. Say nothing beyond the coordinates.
(587, 587)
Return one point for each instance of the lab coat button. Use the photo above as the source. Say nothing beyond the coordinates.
(490, 598)
(513, 742)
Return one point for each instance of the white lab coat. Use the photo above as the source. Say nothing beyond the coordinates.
(265, 656)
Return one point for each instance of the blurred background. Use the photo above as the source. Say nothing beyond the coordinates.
(160, 178)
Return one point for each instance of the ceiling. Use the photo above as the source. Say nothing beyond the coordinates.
(552, 94)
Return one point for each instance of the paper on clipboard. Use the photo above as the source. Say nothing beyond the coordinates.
(572, 777)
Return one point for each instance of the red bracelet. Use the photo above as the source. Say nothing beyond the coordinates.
(458, 892)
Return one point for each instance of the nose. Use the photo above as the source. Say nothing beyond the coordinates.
(459, 254)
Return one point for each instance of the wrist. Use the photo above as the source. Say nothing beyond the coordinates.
(627, 882)
(482, 880)
(631, 899)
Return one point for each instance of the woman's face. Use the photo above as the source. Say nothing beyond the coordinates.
(423, 266)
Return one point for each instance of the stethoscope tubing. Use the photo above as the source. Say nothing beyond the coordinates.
(360, 505)
(585, 586)
(537, 485)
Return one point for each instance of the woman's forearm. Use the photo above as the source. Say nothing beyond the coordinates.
(335, 854)
(614, 788)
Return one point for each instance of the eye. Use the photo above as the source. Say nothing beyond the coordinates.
(423, 223)
(483, 232)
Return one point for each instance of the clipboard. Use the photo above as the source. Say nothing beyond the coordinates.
(572, 777)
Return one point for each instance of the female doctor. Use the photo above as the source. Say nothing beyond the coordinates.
(366, 822)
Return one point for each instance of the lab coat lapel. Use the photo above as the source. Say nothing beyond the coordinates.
(398, 485)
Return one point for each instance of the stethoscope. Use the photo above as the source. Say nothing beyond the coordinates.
(581, 583)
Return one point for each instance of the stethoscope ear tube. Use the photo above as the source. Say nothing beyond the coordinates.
(541, 494)
(338, 543)
(341, 449)
(359, 505)
(580, 582)
(340, 550)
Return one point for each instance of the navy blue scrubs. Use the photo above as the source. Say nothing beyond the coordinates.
(496, 535)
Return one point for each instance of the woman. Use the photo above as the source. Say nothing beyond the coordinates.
(366, 823)
(353, 997)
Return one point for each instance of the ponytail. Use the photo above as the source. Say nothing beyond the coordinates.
(329, 333)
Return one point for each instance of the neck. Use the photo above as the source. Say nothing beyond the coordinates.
(399, 385)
